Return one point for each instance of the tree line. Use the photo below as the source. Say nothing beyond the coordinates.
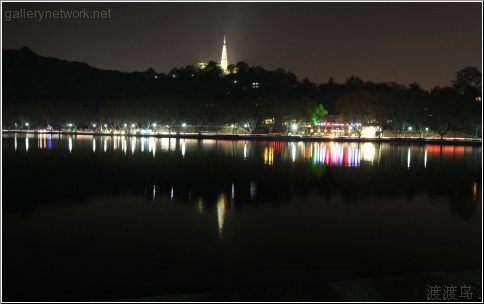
(48, 91)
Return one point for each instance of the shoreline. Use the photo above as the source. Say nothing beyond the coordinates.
(260, 137)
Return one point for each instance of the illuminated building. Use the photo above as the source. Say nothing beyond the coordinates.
(224, 61)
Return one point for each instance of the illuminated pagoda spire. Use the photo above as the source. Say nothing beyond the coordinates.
(224, 62)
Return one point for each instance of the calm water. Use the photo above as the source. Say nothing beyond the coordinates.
(116, 217)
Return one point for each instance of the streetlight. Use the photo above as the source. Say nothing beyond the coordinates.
(410, 128)
(125, 125)
(184, 125)
(27, 125)
(294, 127)
(93, 125)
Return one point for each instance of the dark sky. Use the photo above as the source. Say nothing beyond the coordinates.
(401, 42)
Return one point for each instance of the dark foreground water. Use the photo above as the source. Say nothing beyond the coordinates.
(114, 217)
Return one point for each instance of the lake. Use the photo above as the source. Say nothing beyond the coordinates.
(108, 218)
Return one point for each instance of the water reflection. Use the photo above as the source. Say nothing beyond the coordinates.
(316, 153)
(183, 148)
(336, 154)
(200, 206)
(70, 144)
(253, 189)
(210, 169)
(221, 205)
(268, 156)
(425, 159)
(408, 158)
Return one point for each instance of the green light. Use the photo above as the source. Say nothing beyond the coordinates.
(318, 113)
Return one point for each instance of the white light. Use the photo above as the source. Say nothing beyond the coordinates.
(154, 124)
(93, 125)
(410, 128)
(425, 158)
(426, 129)
(105, 125)
(294, 127)
(184, 125)
(246, 126)
(125, 125)
(132, 125)
(253, 189)
(408, 158)
(27, 124)
(350, 128)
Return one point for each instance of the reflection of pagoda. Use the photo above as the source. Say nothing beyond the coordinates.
(221, 205)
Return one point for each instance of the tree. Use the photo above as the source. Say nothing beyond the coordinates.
(468, 82)
(356, 107)
(242, 67)
(318, 113)
(232, 68)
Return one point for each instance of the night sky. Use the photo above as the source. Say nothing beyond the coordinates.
(401, 42)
